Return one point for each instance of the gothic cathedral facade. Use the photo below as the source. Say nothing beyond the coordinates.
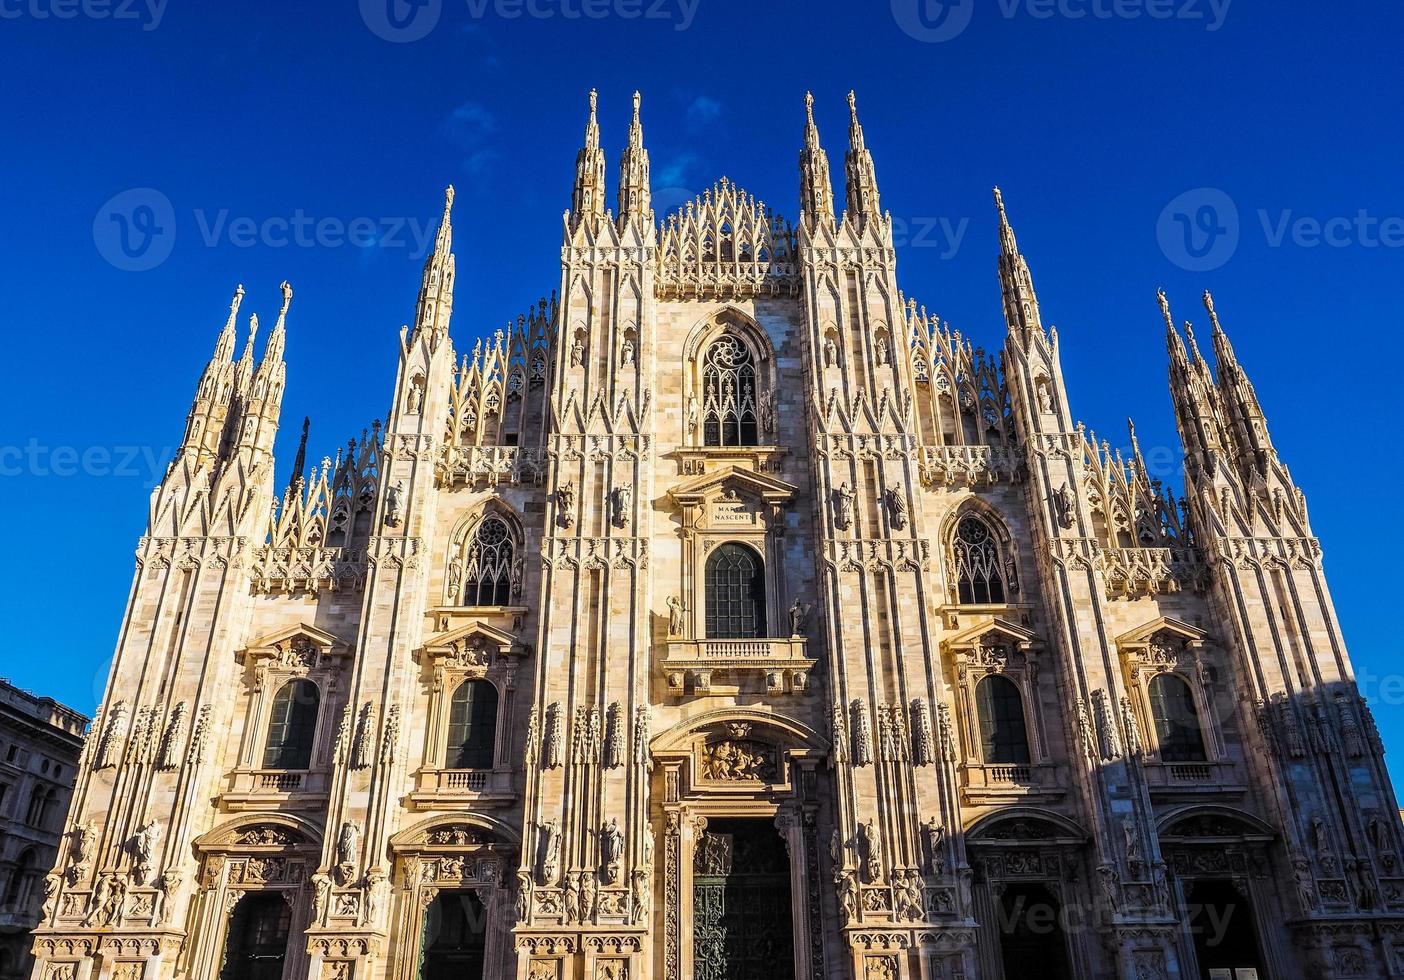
(728, 616)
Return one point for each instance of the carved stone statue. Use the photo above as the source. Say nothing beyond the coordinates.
(844, 501)
(675, 615)
(143, 846)
(550, 851)
(394, 504)
(321, 895)
(639, 898)
(846, 885)
(52, 885)
(84, 839)
(523, 896)
(935, 836)
(611, 849)
(577, 351)
(565, 503)
(348, 844)
(870, 849)
(620, 498)
(896, 507)
(799, 612)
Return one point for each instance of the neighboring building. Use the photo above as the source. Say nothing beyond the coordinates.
(40, 741)
(728, 617)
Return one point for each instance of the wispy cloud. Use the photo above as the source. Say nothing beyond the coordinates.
(702, 111)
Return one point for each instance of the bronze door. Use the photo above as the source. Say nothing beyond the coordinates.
(741, 907)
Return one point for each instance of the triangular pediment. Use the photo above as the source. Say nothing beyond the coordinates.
(1143, 635)
(738, 478)
(995, 630)
(476, 636)
(327, 643)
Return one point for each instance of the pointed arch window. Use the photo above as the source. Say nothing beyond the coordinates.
(979, 566)
(488, 571)
(1176, 720)
(472, 730)
(1000, 708)
(292, 726)
(735, 593)
(730, 401)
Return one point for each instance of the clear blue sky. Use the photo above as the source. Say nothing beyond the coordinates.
(254, 114)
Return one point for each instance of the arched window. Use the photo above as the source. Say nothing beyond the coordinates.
(472, 730)
(292, 728)
(1176, 720)
(489, 566)
(735, 593)
(35, 817)
(20, 879)
(1003, 738)
(258, 938)
(979, 571)
(729, 398)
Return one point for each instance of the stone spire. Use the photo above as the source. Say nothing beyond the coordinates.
(1192, 391)
(635, 196)
(1240, 400)
(300, 460)
(588, 198)
(863, 201)
(436, 291)
(1016, 282)
(816, 189)
(210, 407)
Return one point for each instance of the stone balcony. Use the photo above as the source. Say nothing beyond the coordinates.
(256, 789)
(704, 667)
(461, 789)
(986, 783)
(1177, 779)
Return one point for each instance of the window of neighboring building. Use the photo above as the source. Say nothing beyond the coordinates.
(735, 593)
(472, 731)
(292, 728)
(1000, 707)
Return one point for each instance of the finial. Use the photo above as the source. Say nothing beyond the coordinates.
(1213, 315)
(853, 103)
(448, 199)
(809, 107)
(594, 101)
(1165, 309)
(638, 100)
(999, 203)
(287, 298)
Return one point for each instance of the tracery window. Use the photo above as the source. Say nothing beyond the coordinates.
(1000, 708)
(729, 397)
(1176, 719)
(489, 567)
(292, 726)
(472, 731)
(735, 593)
(979, 567)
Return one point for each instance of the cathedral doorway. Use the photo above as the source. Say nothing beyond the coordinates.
(1031, 931)
(257, 946)
(741, 904)
(454, 945)
(1225, 935)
